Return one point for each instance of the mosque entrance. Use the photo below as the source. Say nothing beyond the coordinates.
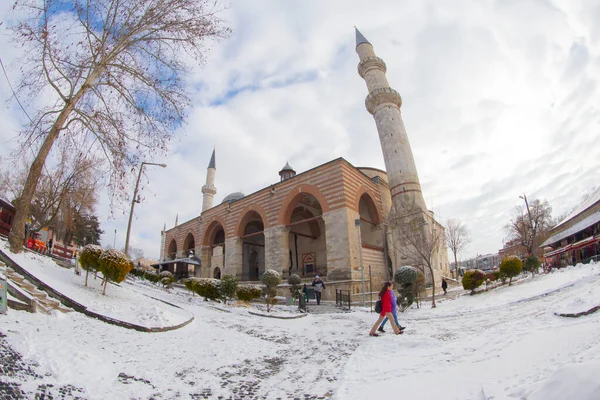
(308, 248)
(215, 239)
(253, 246)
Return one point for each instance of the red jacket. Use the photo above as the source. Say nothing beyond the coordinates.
(386, 303)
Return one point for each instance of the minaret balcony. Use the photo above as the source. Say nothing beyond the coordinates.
(382, 96)
(369, 63)
(209, 189)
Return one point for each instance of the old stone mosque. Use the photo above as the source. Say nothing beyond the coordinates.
(331, 220)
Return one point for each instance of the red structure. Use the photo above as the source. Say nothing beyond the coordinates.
(7, 214)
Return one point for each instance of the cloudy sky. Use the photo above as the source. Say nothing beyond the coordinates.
(500, 98)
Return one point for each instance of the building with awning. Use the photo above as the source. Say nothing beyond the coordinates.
(576, 239)
(180, 267)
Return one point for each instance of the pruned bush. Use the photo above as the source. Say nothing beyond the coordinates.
(137, 271)
(532, 264)
(511, 267)
(114, 265)
(405, 277)
(295, 281)
(248, 292)
(89, 259)
(228, 287)
(472, 279)
(190, 284)
(207, 288)
(151, 276)
(271, 279)
(166, 278)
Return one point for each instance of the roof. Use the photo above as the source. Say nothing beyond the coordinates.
(212, 164)
(7, 203)
(360, 38)
(590, 201)
(233, 197)
(579, 226)
(187, 260)
(287, 168)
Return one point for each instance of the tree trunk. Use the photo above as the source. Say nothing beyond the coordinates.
(104, 290)
(432, 287)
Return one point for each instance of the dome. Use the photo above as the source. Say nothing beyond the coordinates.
(230, 198)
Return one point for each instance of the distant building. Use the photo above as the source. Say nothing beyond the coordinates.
(486, 262)
(576, 239)
(7, 214)
(513, 248)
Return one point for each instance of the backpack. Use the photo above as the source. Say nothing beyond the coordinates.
(378, 306)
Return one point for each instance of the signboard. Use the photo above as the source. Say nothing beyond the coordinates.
(3, 294)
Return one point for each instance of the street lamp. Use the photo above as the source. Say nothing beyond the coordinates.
(362, 270)
(133, 201)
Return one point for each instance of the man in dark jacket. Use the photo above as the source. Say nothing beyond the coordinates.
(444, 286)
(319, 286)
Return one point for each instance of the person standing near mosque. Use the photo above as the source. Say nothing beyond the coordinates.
(319, 286)
(394, 313)
(386, 309)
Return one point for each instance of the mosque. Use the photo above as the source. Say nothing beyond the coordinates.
(334, 220)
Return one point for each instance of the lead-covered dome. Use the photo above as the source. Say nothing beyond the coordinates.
(230, 198)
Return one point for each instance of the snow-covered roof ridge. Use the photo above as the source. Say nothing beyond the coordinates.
(590, 201)
(579, 226)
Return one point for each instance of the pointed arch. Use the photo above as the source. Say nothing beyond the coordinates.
(216, 224)
(172, 249)
(189, 243)
(364, 195)
(245, 215)
(293, 198)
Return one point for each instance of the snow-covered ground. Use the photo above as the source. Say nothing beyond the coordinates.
(503, 344)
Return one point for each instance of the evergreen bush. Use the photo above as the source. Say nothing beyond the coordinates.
(190, 284)
(89, 259)
(271, 279)
(248, 292)
(511, 267)
(295, 281)
(207, 288)
(228, 287)
(532, 264)
(405, 277)
(166, 278)
(114, 265)
(472, 279)
(151, 276)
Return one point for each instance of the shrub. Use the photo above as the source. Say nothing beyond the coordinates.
(271, 279)
(190, 283)
(472, 279)
(228, 287)
(248, 292)
(207, 288)
(137, 271)
(151, 276)
(511, 267)
(89, 259)
(405, 278)
(114, 265)
(166, 278)
(295, 281)
(532, 264)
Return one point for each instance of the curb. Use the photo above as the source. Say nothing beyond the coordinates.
(277, 316)
(579, 314)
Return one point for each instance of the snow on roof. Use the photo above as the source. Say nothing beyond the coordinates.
(4, 200)
(594, 198)
(581, 225)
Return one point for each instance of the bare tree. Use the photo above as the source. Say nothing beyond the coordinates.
(112, 71)
(418, 239)
(457, 239)
(530, 228)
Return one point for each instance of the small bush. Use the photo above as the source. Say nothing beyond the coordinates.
(248, 292)
(405, 278)
(89, 259)
(406, 275)
(228, 287)
(114, 265)
(295, 281)
(472, 279)
(532, 264)
(166, 278)
(511, 267)
(151, 276)
(207, 288)
(271, 279)
(137, 271)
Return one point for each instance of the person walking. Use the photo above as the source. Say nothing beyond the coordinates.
(319, 286)
(305, 291)
(444, 286)
(386, 310)
(394, 313)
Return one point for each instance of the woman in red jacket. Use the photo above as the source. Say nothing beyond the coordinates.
(386, 309)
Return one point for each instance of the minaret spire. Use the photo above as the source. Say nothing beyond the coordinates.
(384, 104)
(209, 190)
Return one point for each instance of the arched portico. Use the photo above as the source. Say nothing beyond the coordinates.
(251, 231)
(370, 221)
(189, 245)
(214, 247)
(172, 250)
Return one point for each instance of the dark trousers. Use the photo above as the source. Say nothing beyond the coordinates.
(318, 295)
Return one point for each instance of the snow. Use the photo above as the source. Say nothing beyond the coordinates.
(506, 343)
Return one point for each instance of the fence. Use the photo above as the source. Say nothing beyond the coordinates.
(342, 298)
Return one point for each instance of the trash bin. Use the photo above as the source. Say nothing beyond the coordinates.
(3, 294)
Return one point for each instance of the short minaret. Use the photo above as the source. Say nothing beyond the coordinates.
(286, 172)
(384, 104)
(209, 190)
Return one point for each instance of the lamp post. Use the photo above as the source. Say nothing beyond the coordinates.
(133, 201)
(362, 270)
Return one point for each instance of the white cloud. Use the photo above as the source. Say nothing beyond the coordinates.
(500, 98)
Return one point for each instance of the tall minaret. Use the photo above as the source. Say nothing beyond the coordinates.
(209, 190)
(384, 104)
